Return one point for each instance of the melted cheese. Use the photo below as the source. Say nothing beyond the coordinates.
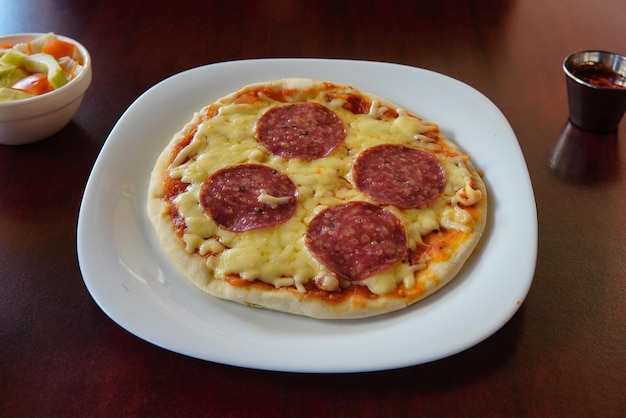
(272, 201)
(278, 255)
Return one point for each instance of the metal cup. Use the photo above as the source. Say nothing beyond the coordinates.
(592, 107)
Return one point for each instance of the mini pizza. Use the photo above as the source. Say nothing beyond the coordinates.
(317, 199)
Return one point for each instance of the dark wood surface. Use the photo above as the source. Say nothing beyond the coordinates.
(562, 354)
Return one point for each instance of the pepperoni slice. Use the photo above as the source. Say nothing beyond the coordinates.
(356, 239)
(305, 131)
(398, 175)
(248, 196)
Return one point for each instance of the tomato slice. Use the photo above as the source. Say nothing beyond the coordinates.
(58, 48)
(33, 84)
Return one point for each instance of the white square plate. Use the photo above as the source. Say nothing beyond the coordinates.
(131, 279)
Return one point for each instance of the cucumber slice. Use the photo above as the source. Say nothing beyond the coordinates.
(13, 57)
(46, 63)
(9, 74)
(8, 95)
(34, 46)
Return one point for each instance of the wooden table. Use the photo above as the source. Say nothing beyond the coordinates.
(562, 354)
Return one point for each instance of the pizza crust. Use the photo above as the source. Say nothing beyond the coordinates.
(289, 299)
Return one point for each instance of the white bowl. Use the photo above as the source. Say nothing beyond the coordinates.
(35, 118)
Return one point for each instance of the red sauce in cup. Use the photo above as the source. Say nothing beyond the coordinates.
(600, 76)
